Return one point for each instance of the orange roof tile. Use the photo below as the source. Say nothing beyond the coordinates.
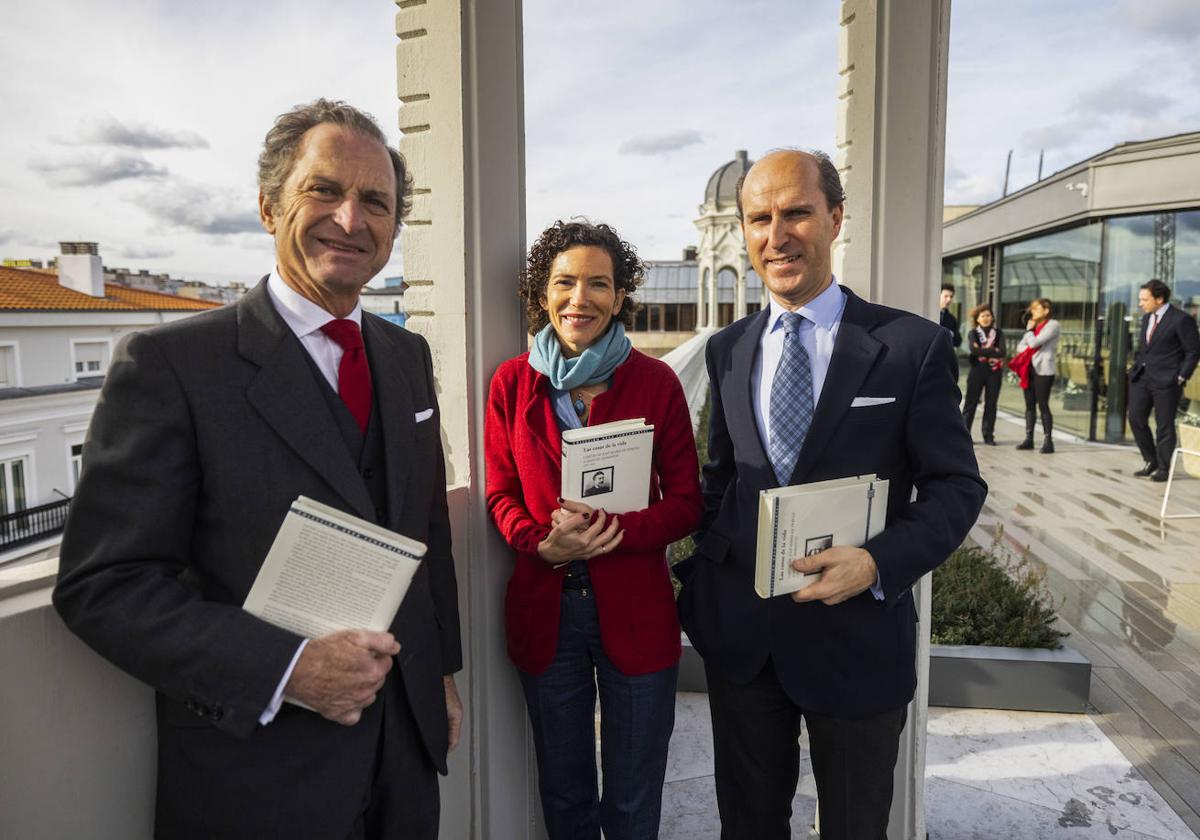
(32, 290)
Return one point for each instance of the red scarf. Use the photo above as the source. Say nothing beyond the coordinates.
(1022, 363)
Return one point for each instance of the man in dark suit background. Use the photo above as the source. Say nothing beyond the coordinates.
(1168, 347)
(819, 385)
(205, 432)
(947, 320)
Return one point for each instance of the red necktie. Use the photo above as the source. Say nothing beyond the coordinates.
(1153, 327)
(354, 377)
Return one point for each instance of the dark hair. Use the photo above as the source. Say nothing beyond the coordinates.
(1157, 289)
(979, 310)
(827, 175)
(628, 271)
(948, 287)
(282, 145)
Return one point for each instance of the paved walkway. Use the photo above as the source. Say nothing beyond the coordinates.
(1128, 593)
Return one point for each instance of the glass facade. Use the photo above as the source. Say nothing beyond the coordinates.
(1091, 274)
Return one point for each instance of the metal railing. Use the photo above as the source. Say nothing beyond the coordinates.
(32, 524)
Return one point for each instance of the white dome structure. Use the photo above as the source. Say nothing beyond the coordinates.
(724, 267)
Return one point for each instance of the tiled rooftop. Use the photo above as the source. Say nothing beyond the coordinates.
(32, 290)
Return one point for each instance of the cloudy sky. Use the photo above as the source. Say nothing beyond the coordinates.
(136, 123)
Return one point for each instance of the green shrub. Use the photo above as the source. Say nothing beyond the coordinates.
(988, 597)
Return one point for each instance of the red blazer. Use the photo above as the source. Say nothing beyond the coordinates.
(639, 625)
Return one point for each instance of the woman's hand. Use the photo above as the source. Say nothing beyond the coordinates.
(579, 533)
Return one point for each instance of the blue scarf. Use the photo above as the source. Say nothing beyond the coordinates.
(595, 364)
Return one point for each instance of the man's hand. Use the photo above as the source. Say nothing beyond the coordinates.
(579, 533)
(339, 675)
(845, 572)
(454, 709)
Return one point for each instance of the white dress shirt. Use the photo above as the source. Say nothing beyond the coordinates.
(818, 331)
(305, 319)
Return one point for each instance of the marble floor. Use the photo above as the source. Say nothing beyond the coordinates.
(990, 775)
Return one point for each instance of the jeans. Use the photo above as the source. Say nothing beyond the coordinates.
(637, 714)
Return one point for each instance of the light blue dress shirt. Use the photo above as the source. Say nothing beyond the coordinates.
(818, 332)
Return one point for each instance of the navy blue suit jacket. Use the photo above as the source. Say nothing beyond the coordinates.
(856, 659)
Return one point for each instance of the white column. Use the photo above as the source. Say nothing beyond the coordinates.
(700, 303)
(713, 306)
(891, 150)
(460, 79)
(739, 293)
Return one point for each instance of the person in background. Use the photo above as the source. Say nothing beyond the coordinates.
(590, 602)
(986, 371)
(1168, 347)
(948, 321)
(1035, 364)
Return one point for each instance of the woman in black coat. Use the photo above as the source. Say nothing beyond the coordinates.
(986, 345)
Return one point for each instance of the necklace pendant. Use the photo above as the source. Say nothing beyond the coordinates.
(580, 407)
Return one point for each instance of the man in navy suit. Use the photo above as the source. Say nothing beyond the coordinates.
(847, 388)
(1168, 347)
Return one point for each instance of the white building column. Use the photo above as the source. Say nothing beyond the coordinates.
(713, 306)
(739, 292)
(460, 80)
(700, 298)
(891, 151)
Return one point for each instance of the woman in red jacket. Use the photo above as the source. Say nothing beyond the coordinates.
(590, 603)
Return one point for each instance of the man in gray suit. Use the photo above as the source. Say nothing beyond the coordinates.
(205, 432)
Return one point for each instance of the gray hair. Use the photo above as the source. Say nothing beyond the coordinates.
(282, 145)
(827, 174)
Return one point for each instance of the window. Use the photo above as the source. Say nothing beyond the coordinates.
(8, 366)
(91, 358)
(76, 462)
(12, 485)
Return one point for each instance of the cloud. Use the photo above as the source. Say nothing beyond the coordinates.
(95, 170)
(112, 132)
(1127, 96)
(148, 253)
(7, 236)
(1175, 20)
(661, 144)
(198, 208)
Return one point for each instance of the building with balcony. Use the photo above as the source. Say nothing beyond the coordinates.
(58, 328)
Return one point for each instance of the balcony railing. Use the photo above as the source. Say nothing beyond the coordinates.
(32, 524)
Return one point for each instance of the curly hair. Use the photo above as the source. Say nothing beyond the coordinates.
(628, 271)
(976, 311)
(282, 146)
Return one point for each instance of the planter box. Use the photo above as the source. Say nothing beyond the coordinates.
(976, 677)
(1026, 679)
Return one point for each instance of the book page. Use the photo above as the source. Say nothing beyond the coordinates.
(323, 575)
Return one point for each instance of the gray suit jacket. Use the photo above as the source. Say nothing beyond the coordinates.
(205, 432)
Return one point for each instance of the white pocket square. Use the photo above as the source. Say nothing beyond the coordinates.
(422, 416)
(863, 402)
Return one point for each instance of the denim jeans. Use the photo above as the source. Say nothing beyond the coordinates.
(637, 714)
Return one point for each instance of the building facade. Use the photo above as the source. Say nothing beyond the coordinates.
(1086, 237)
(57, 334)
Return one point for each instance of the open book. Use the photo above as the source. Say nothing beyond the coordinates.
(608, 466)
(329, 571)
(805, 519)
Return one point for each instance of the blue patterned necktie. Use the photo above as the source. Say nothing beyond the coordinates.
(791, 400)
